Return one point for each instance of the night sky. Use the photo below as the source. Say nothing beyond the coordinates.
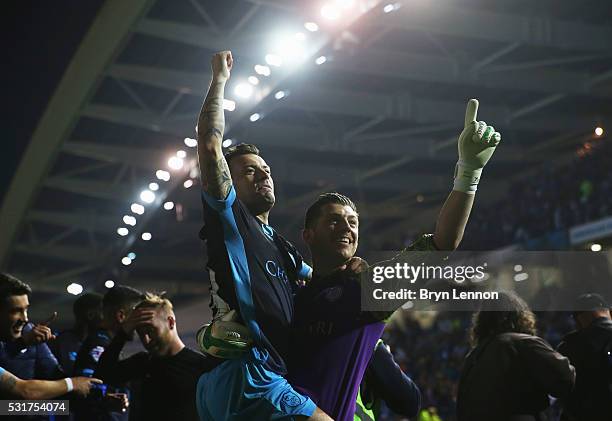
(40, 38)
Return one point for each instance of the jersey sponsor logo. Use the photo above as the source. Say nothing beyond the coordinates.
(290, 398)
(96, 352)
(321, 328)
(275, 270)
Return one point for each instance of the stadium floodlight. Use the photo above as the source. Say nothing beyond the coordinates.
(599, 131)
(518, 268)
(175, 163)
(169, 205)
(188, 183)
(192, 143)
(253, 80)
(126, 261)
(153, 186)
(244, 90)
(262, 70)
(194, 172)
(330, 11)
(163, 175)
(146, 236)
(109, 283)
(137, 208)
(74, 288)
(311, 26)
(280, 95)
(391, 7)
(131, 255)
(227, 143)
(320, 60)
(147, 196)
(228, 105)
(123, 231)
(520, 277)
(129, 220)
(274, 60)
(595, 247)
(254, 117)
(181, 154)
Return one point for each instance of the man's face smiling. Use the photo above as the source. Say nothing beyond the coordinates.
(335, 235)
(13, 316)
(252, 180)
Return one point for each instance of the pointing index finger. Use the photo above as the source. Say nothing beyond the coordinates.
(471, 112)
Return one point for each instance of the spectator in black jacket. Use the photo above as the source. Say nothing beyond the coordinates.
(589, 349)
(384, 381)
(167, 372)
(510, 372)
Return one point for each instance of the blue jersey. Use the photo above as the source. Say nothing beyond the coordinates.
(252, 270)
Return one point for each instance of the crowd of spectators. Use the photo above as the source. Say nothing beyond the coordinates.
(552, 200)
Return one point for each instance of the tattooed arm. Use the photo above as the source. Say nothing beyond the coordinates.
(216, 177)
(12, 386)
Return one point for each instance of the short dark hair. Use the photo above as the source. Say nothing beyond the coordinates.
(121, 297)
(9, 285)
(314, 211)
(240, 149)
(85, 303)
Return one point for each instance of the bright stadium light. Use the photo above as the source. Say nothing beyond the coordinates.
(243, 90)
(599, 131)
(188, 183)
(175, 163)
(330, 12)
(129, 220)
(320, 60)
(227, 143)
(311, 26)
(279, 95)
(147, 196)
(194, 172)
(123, 231)
(274, 60)
(153, 186)
(192, 143)
(131, 255)
(169, 205)
(74, 288)
(262, 70)
(137, 208)
(254, 117)
(126, 261)
(520, 277)
(181, 154)
(253, 80)
(109, 283)
(391, 7)
(595, 247)
(163, 175)
(518, 268)
(146, 236)
(228, 105)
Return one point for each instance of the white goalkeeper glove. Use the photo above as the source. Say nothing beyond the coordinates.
(477, 143)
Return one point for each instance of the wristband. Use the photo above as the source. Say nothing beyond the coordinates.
(466, 178)
(69, 384)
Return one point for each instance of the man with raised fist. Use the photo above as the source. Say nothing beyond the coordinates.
(252, 270)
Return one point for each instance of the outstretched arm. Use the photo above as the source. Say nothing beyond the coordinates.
(12, 386)
(215, 173)
(477, 143)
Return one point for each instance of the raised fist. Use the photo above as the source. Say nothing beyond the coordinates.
(222, 63)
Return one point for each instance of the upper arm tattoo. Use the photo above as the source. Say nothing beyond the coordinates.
(218, 178)
(7, 382)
